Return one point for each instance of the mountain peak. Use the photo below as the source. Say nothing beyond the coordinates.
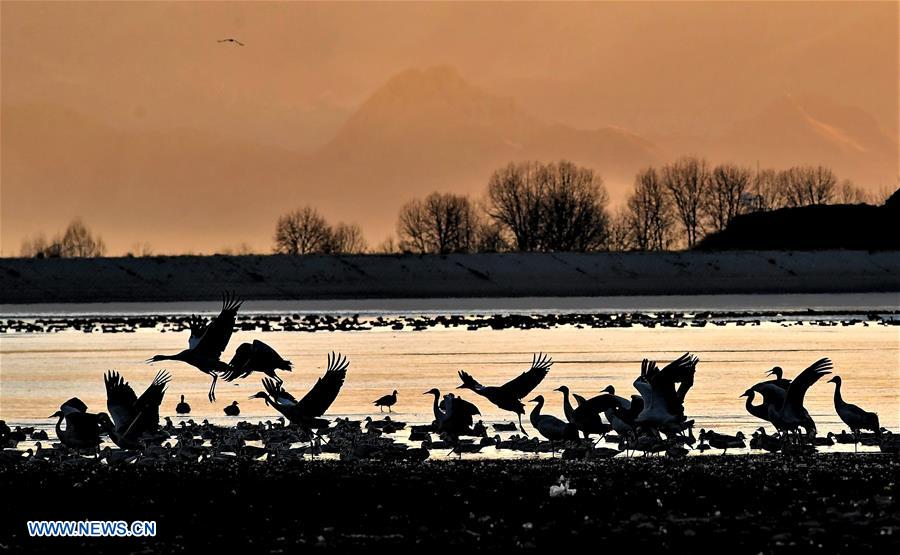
(419, 102)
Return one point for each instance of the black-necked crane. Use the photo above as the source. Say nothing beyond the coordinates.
(663, 409)
(313, 405)
(182, 407)
(133, 416)
(549, 426)
(586, 416)
(386, 401)
(453, 415)
(255, 357)
(207, 342)
(509, 395)
(852, 415)
(568, 409)
(778, 380)
(789, 414)
(83, 429)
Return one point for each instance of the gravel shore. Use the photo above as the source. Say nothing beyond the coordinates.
(761, 504)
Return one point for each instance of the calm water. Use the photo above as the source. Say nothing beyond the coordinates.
(39, 371)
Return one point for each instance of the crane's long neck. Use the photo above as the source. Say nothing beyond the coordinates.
(567, 406)
(749, 404)
(435, 408)
(536, 412)
(59, 431)
(838, 400)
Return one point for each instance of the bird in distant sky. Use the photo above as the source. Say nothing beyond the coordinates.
(235, 41)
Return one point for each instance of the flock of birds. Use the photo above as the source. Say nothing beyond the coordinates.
(651, 421)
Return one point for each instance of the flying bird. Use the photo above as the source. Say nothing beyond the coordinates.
(256, 357)
(509, 395)
(133, 416)
(207, 341)
(235, 41)
(314, 404)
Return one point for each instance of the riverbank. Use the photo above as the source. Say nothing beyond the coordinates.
(275, 277)
(759, 504)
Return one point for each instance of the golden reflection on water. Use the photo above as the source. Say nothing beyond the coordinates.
(39, 371)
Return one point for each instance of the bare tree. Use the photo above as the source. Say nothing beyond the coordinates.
(514, 198)
(573, 206)
(76, 242)
(346, 239)
(618, 231)
(302, 231)
(439, 223)
(808, 185)
(768, 191)
(686, 181)
(848, 193)
(724, 198)
(549, 207)
(388, 246)
(650, 215)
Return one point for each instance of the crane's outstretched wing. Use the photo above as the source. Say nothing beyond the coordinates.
(323, 394)
(198, 327)
(277, 393)
(120, 399)
(150, 400)
(797, 390)
(241, 364)
(218, 332)
(528, 380)
(73, 405)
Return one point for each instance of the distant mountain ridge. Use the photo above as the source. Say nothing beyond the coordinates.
(423, 130)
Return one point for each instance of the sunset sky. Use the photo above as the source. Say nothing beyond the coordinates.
(134, 118)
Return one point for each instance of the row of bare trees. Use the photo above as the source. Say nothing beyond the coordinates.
(305, 231)
(679, 203)
(546, 207)
(529, 207)
(77, 241)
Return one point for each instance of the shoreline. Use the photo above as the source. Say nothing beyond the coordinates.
(461, 276)
(760, 503)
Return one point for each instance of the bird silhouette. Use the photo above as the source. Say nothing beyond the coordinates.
(852, 415)
(549, 426)
(314, 404)
(663, 409)
(133, 416)
(509, 395)
(83, 429)
(255, 357)
(204, 351)
(231, 40)
(785, 408)
(453, 415)
(386, 401)
(233, 409)
(182, 407)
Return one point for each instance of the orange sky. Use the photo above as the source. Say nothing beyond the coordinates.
(133, 117)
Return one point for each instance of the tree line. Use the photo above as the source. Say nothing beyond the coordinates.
(560, 206)
(544, 207)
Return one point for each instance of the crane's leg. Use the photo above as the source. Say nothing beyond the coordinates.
(389, 409)
(381, 408)
(521, 427)
(212, 388)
